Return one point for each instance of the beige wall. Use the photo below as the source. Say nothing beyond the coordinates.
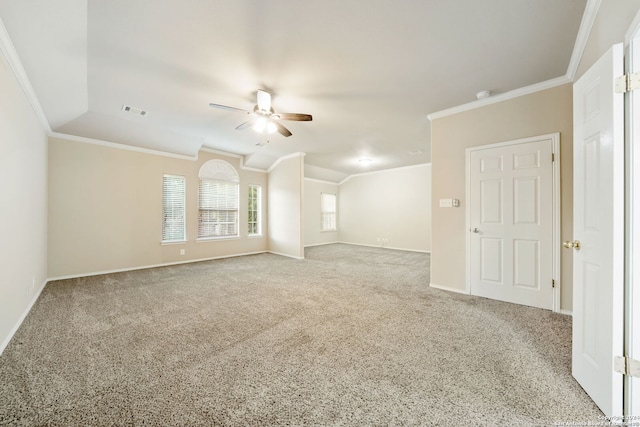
(286, 195)
(23, 195)
(393, 204)
(540, 113)
(312, 221)
(105, 210)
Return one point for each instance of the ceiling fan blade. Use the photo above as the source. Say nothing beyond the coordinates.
(298, 117)
(246, 124)
(264, 100)
(281, 129)
(228, 108)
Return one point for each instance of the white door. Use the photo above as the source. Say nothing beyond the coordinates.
(511, 222)
(598, 226)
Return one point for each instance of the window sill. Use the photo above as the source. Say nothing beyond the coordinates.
(173, 242)
(328, 231)
(255, 236)
(214, 239)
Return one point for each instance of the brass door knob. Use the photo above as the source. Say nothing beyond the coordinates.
(569, 244)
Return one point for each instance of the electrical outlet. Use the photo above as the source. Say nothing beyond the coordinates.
(182, 252)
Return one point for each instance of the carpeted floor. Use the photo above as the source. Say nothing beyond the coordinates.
(349, 336)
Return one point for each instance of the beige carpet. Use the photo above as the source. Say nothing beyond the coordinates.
(349, 336)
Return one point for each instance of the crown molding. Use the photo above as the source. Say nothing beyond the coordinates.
(234, 155)
(516, 93)
(320, 181)
(119, 146)
(586, 24)
(588, 18)
(11, 55)
(283, 158)
(383, 171)
(221, 153)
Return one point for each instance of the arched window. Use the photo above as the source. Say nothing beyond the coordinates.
(218, 200)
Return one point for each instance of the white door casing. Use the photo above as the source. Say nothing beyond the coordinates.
(598, 224)
(511, 198)
(632, 309)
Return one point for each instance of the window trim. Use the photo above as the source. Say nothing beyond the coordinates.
(215, 238)
(324, 212)
(258, 211)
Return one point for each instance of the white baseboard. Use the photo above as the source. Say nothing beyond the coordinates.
(13, 331)
(386, 247)
(144, 267)
(464, 292)
(285, 255)
(448, 288)
(320, 244)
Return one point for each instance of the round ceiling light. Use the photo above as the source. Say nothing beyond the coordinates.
(483, 94)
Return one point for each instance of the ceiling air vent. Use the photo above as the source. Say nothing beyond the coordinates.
(135, 110)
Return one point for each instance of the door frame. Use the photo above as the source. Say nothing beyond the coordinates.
(556, 238)
(631, 385)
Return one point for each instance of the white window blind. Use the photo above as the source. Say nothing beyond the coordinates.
(218, 208)
(218, 200)
(173, 208)
(254, 210)
(328, 212)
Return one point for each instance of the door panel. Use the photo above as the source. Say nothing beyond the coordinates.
(491, 254)
(491, 201)
(511, 219)
(526, 195)
(590, 306)
(527, 264)
(598, 224)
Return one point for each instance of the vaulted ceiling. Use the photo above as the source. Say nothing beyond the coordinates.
(368, 71)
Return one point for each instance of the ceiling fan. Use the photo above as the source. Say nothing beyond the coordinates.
(264, 118)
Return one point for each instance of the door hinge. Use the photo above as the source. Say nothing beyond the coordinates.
(553, 157)
(627, 83)
(626, 366)
(553, 283)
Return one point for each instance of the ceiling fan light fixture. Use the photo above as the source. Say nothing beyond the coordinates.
(264, 125)
(260, 125)
(264, 119)
(264, 101)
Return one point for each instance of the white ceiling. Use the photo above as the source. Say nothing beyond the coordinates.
(368, 71)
